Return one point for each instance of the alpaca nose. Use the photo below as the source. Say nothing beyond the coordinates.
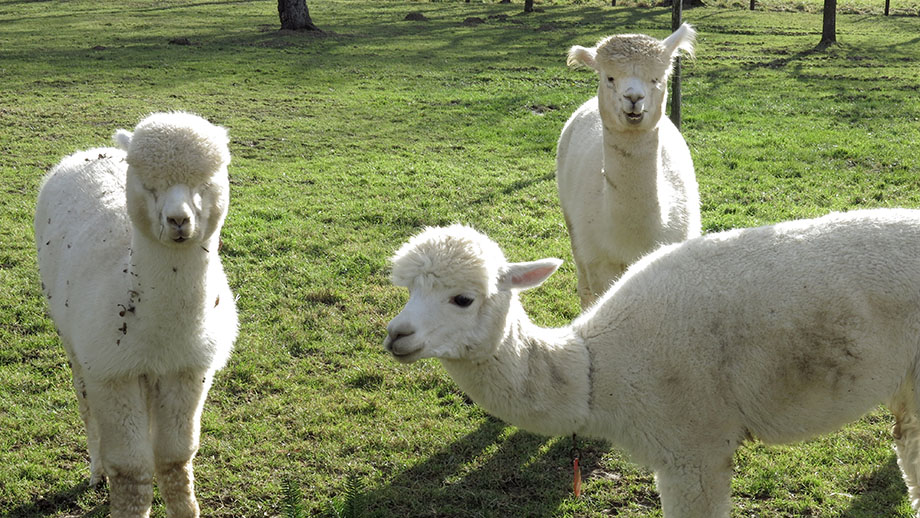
(633, 97)
(177, 221)
(177, 211)
(396, 334)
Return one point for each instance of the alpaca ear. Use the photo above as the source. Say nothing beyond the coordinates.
(681, 39)
(522, 276)
(122, 138)
(579, 55)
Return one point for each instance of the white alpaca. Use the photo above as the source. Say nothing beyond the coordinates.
(127, 250)
(624, 172)
(780, 333)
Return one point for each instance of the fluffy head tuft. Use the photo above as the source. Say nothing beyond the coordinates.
(623, 49)
(175, 148)
(454, 256)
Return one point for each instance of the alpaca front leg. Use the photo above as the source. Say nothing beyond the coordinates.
(119, 412)
(585, 296)
(599, 276)
(93, 444)
(177, 405)
(696, 492)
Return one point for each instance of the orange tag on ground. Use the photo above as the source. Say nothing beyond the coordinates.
(576, 483)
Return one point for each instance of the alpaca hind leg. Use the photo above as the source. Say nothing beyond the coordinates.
(119, 411)
(906, 434)
(97, 474)
(177, 402)
(696, 491)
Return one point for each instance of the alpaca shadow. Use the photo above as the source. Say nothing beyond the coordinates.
(883, 494)
(501, 26)
(513, 187)
(63, 503)
(789, 60)
(488, 473)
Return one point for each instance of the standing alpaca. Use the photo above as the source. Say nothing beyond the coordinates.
(780, 333)
(624, 172)
(127, 250)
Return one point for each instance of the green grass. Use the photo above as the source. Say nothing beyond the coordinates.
(346, 143)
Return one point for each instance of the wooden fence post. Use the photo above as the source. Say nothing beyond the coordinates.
(676, 15)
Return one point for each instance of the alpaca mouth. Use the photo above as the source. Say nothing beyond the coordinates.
(634, 118)
(405, 356)
(180, 239)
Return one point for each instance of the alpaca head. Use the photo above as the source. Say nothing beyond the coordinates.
(634, 71)
(461, 289)
(177, 185)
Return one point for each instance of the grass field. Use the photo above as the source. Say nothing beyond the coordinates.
(346, 143)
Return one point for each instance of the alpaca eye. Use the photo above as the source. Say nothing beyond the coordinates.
(609, 79)
(461, 300)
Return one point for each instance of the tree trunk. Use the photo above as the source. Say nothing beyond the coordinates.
(752, 5)
(295, 16)
(676, 16)
(829, 27)
(887, 5)
(528, 6)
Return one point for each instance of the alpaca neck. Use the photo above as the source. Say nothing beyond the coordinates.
(631, 166)
(537, 379)
(171, 279)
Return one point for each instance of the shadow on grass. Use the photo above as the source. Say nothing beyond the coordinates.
(465, 480)
(62, 503)
(503, 27)
(515, 186)
(882, 493)
(521, 479)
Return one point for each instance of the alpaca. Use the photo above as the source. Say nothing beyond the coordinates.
(779, 332)
(623, 170)
(127, 250)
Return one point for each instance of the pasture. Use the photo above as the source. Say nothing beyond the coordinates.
(347, 142)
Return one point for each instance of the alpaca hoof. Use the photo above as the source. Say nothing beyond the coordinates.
(96, 478)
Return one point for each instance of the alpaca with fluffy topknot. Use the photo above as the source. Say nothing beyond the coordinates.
(127, 249)
(624, 172)
(779, 333)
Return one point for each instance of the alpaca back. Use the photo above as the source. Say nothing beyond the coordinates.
(786, 331)
(679, 193)
(82, 233)
(580, 146)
